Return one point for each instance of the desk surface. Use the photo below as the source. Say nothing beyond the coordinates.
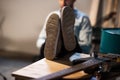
(44, 67)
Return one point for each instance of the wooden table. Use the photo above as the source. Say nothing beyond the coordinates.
(41, 68)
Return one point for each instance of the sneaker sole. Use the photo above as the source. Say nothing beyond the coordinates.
(52, 33)
(67, 26)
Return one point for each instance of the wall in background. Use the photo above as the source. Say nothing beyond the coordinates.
(22, 20)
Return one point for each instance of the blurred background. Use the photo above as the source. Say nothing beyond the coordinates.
(22, 20)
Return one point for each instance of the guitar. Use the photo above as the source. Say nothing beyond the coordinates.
(82, 66)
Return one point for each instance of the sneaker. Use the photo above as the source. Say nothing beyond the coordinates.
(78, 58)
(53, 42)
(67, 27)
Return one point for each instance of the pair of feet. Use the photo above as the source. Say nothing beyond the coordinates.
(58, 29)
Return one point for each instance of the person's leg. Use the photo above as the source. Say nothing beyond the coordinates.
(77, 48)
(53, 42)
(41, 54)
